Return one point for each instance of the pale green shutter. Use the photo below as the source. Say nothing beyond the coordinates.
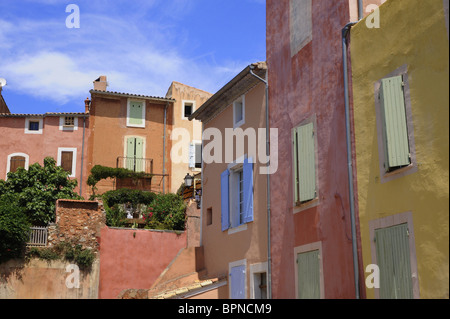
(306, 162)
(136, 116)
(308, 271)
(129, 160)
(395, 130)
(295, 179)
(139, 155)
(393, 258)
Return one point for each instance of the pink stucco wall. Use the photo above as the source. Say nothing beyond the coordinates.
(133, 259)
(13, 139)
(309, 85)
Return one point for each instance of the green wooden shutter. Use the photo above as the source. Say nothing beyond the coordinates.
(393, 258)
(139, 153)
(395, 130)
(136, 116)
(308, 271)
(306, 162)
(295, 178)
(129, 160)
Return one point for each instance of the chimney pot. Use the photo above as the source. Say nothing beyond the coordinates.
(87, 105)
(101, 83)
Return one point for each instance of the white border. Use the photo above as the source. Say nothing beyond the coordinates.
(241, 122)
(143, 113)
(27, 124)
(242, 262)
(8, 163)
(304, 249)
(194, 107)
(74, 158)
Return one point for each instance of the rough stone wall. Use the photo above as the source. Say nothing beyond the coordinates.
(77, 222)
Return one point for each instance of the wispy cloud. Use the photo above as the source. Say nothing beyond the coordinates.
(139, 55)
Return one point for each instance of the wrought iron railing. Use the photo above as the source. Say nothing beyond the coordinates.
(144, 165)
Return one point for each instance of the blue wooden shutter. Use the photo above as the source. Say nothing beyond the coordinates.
(393, 258)
(395, 129)
(248, 190)
(306, 162)
(237, 280)
(308, 272)
(224, 196)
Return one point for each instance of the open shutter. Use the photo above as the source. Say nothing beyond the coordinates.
(306, 162)
(393, 258)
(295, 178)
(191, 155)
(308, 275)
(248, 190)
(395, 130)
(224, 196)
(136, 113)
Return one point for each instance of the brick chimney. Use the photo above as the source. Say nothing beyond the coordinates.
(87, 105)
(100, 84)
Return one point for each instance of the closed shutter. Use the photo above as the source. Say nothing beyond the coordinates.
(198, 155)
(393, 258)
(67, 161)
(129, 160)
(237, 280)
(16, 162)
(308, 272)
(136, 116)
(139, 155)
(224, 197)
(395, 130)
(192, 155)
(248, 190)
(306, 164)
(135, 154)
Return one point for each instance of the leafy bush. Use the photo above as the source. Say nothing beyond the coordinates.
(167, 211)
(38, 188)
(14, 227)
(124, 195)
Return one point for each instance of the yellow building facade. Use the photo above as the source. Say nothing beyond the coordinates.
(400, 84)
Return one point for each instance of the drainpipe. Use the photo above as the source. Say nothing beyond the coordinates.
(164, 148)
(82, 156)
(269, 256)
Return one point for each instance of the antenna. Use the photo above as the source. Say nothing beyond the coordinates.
(2, 82)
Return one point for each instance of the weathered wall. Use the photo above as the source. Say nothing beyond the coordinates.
(414, 35)
(132, 258)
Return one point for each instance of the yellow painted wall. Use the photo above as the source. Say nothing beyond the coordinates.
(411, 33)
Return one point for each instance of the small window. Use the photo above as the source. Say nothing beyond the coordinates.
(136, 113)
(188, 109)
(209, 216)
(33, 126)
(67, 160)
(260, 285)
(239, 112)
(195, 155)
(69, 121)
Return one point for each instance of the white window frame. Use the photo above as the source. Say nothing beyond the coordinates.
(233, 196)
(74, 158)
(242, 262)
(8, 163)
(304, 249)
(183, 104)
(236, 123)
(194, 143)
(143, 113)
(27, 124)
(255, 269)
(63, 127)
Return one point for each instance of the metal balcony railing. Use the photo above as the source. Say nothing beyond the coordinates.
(144, 165)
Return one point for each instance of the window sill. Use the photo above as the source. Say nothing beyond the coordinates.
(237, 229)
(398, 173)
(303, 206)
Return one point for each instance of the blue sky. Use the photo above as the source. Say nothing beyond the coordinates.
(140, 45)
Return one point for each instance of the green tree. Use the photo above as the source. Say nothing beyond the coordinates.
(37, 189)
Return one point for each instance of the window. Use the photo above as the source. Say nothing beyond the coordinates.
(67, 160)
(195, 155)
(238, 279)
(239, 112)
(396, 147)
(33, 126)
(188, 109)
(209, 218)
(304, 164)
(136, 113)
(258, 280)
(300, 24)
(15, 161)
(68, 123)
(134, 156)
(309, 271)
(237, 196)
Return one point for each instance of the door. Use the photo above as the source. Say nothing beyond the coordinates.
(308, 271)
(393, 258)
(237, 280)
(135, 152)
